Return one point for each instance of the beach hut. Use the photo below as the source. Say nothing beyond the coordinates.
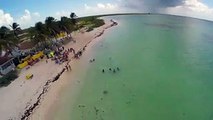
(6, 65)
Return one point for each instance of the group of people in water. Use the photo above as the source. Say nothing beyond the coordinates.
(114, 70)
(92, 60)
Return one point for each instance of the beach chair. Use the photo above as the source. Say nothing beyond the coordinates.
(29, 76)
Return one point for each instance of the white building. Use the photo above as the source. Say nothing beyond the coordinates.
(6, 65)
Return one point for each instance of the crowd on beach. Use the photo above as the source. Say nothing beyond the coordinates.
(60, 56)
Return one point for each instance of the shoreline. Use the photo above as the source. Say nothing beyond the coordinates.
(34, 105)
(29, 111)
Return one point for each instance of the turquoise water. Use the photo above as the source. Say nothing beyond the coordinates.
(166, 66)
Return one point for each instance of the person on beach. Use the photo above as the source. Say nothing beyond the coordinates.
(67, 68)
(72, 50)
(76, 56)
(70, 68)
(80, 53)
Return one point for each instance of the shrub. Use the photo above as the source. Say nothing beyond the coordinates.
(8, 78)
(89, 29)
(98, 23)
(93, 22)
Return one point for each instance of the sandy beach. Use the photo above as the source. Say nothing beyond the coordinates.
(33, 99)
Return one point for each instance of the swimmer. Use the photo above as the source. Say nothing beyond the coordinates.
(114, 71)
(118, 68)
(103, 71)
(110, 69)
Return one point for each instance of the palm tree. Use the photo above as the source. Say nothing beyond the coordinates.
(16, 28)
(40, 28)
(39, 33)
(51, 26)
(65, 25)
(7, 40)
(73, 17)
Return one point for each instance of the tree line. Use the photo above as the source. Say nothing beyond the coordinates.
(9, 38)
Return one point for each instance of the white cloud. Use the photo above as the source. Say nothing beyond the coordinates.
(59, 14)
(28, 19)
(36, 14)
(107, 6)
(5, 18)
(100, 8)
(192, 8)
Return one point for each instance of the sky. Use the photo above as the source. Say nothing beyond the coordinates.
(28, 12)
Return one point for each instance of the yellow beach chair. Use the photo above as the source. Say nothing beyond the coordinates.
(29, 76)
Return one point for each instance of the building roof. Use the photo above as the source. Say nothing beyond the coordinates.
(4, 60)
(26, 45)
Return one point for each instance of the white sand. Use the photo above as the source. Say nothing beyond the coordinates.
(22, 93)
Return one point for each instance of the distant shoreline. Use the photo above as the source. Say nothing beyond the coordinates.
(119, 14)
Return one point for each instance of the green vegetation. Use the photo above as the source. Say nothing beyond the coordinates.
(7, 39)
(43, 32)
(90, 22)
(8, 78)
(16, 29)
(41, 35)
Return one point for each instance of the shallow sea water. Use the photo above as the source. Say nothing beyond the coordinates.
(166, 72)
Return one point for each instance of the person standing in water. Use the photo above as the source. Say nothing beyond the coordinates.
(118, 68)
